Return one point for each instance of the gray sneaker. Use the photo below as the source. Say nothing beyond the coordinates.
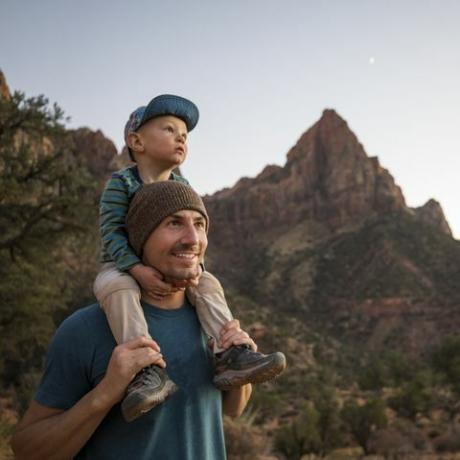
(239, 365)
(150, 387)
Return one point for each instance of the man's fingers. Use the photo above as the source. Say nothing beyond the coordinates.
(232, 332)
(143, 357)
(245, 341)
(233, 324)
(231, 336)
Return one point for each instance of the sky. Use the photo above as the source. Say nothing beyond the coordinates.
(261, 73)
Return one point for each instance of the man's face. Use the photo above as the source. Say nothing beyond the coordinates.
(177, 246)
(162, 139)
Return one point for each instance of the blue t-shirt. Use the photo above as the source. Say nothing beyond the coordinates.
(187, 426)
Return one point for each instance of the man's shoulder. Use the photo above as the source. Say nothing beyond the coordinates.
(84, 320)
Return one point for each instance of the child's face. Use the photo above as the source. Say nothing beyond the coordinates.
(163, 140)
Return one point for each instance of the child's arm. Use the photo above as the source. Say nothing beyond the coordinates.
(113, 208)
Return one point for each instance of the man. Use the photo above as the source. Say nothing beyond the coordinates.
(76, 412)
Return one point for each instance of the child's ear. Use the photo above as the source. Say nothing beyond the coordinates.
(135, 142)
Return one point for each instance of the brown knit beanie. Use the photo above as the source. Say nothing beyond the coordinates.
(154, 202)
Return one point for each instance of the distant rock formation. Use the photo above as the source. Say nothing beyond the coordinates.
(431, 213)
(98, 151)
(328, 178)
(329, 234)
(4, 90)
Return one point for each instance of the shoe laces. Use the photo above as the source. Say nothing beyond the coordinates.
(146, 376)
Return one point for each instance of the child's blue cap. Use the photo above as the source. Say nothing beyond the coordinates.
(166, 104)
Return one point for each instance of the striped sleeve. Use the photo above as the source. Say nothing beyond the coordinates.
(113, 208)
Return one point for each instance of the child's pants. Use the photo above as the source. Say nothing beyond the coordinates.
(119, 296)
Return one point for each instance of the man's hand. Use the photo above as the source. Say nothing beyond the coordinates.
(126, 361)
(152, 282)
(232, 334)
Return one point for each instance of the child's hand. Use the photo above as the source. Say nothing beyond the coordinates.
(151, 281)
(192, 282)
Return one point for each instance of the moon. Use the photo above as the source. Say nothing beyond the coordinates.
(371, 60)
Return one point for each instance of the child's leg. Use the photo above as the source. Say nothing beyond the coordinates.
(209, 300)
(119, 296)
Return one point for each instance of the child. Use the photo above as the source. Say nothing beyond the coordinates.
(156, 137)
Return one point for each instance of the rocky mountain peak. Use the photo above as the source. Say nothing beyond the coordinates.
(431, 213)
(327, 178)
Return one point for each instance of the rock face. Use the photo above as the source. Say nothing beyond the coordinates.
(328, 179)
(329, 235)
(431, 213)
(98, 151)
(4, 90)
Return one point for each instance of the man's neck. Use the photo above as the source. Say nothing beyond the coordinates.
(170, 302)
(151, 172)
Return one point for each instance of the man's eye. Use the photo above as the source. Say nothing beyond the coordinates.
(174, 223)
(200, 224)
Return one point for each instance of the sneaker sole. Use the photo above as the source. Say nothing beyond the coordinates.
(265, 371)
(133, 411)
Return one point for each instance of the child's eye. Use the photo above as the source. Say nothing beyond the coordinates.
(170, 129)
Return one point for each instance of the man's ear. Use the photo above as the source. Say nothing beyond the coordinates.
(135, 142)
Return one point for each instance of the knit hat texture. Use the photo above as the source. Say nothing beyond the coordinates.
(154, 202)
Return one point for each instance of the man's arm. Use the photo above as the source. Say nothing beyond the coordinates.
(50, 433)
(235, 400)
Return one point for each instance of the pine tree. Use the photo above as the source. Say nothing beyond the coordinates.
(47, 209)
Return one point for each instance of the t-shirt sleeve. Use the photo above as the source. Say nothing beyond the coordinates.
(65, 380)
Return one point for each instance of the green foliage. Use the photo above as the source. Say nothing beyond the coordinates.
(446, 360)
(373, 376)
(318, 429)
(300, 437)
(362, 421)
(395, 256)
(6, 429)
(47, 200)
(329, 424)
(390, 369)
(415, 396)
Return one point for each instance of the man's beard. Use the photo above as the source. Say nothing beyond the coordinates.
(178, 273)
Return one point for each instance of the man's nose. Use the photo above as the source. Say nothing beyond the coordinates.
(190, 235)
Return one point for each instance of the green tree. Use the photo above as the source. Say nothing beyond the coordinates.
(362, 421)
(301, 436)
(330, 425)
(415, 396)
(47, 208)
(446, 360)
(373, 376)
